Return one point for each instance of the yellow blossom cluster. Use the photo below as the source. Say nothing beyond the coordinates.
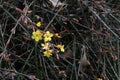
(47, 36)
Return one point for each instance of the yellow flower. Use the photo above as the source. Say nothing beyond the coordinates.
(38, 24)
(61, 47)
(45, 46)
(37, 35)
(99, 79)
(48, 36)
(48, 53)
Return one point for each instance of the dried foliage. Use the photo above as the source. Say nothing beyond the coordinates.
(89, 30)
